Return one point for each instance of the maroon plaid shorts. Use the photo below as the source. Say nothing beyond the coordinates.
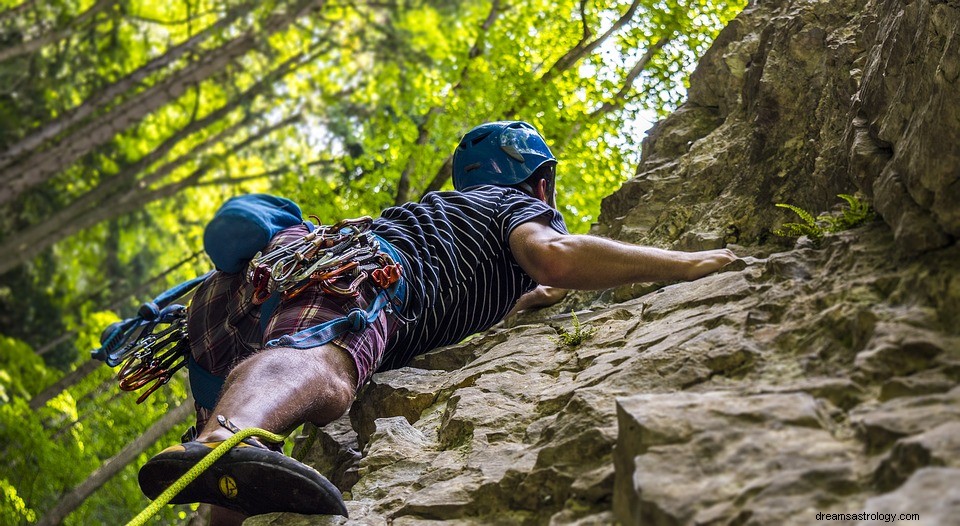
(224, 325)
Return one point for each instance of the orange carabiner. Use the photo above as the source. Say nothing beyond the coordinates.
(385, 277)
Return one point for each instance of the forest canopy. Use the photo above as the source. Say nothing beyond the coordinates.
(125, 123)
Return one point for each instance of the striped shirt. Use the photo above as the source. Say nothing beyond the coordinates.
(461, 275)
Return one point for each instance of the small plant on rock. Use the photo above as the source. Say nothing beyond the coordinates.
(855, 214)
(578, 335)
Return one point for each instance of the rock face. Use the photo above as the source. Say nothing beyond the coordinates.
(800, 380)
(797, 102)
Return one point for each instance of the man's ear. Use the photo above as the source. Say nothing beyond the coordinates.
(541, 191)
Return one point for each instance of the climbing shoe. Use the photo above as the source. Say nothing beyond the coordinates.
(249, 479)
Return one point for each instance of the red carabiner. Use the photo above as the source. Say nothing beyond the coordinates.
(260, 282)
(385, 277)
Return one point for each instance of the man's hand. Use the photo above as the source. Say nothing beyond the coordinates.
(708, 262)
(541, 296)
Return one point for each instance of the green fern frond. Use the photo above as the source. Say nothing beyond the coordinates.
(799, 229)
(855, 214)
(852, 201)
(578, 335)
(806, 216)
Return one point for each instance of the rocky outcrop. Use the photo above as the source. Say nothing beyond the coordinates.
(797, 102)
(801, 380)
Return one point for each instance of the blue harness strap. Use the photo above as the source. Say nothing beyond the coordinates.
(206, 386)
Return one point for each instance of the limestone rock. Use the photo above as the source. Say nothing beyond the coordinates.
(716, 457)
(939, 446)
(932, 494)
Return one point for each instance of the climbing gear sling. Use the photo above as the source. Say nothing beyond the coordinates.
(345, 252)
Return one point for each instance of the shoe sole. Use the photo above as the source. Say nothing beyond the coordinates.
(250, 480)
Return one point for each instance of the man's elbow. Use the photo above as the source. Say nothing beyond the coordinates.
(553, 267)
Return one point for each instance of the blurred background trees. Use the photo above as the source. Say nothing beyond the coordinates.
(125, 123)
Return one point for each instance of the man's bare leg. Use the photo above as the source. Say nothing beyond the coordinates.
(279, 389)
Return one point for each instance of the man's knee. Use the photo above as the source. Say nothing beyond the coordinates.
(340, 377)
(326, 373)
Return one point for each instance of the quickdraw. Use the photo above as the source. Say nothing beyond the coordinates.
(156, 353)
(338, 258)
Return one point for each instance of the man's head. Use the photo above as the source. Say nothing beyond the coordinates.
(505, 153)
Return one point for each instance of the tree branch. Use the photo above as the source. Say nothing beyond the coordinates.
(16, 10)
(423, 128)
(621, 97)
(580, 50)
(37, 43)
(263, 175)
(585, 47)
(104, 96)
(169, 23)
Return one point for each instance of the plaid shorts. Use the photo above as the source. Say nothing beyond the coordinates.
(224, 324)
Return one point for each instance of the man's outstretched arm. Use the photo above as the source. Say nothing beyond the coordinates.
(590, 262)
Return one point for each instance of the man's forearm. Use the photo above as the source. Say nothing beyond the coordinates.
(590, 262)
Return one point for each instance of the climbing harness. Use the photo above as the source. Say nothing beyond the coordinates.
(339, 259)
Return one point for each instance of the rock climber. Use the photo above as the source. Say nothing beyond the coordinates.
(467, 257)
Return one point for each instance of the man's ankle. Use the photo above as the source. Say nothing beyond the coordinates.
(217, 434)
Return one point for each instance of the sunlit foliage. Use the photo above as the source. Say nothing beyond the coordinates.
(125, 123)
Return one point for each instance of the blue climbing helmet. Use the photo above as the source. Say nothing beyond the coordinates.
(502, 153)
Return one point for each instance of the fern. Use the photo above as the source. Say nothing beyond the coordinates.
(578, 335)
(808, 228)
(855, 214)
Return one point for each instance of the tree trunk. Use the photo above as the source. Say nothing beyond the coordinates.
(574, 55)
(41, 166)
(38, 167)
(28, 243)
(106, 95)
(37, 43)
(68, 379)
(136, 198)
(115, 464)
(423, 130)
(423, 134)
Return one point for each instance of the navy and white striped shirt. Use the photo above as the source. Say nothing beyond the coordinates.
(461, 275)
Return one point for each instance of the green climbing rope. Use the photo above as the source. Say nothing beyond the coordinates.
(201, 466)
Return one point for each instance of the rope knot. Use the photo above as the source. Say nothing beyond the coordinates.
(357, 319)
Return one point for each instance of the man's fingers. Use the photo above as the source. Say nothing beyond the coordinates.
(712, 261)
